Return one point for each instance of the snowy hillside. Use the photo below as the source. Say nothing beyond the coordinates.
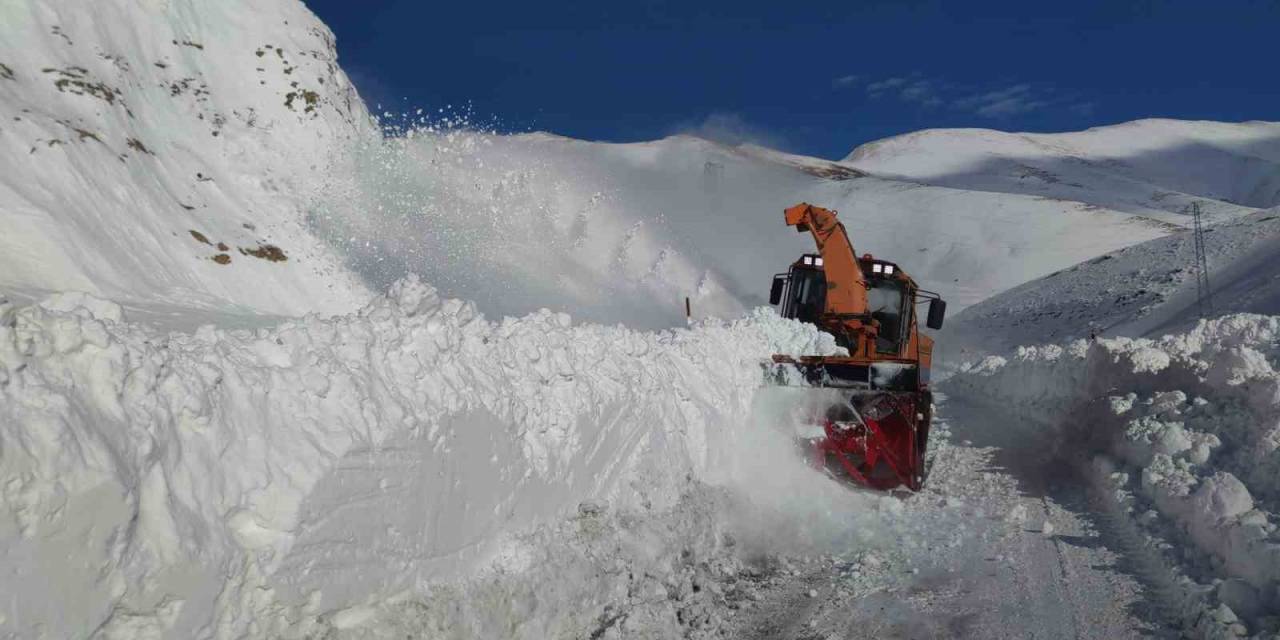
(1152, 168)
(1144, 290)
(243, 174)
(624, 232)
(154, 151)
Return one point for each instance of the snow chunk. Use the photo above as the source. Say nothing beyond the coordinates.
(413, 296)
(1121, 405)
(1149, 360)
(84, 305)
(1222, 496)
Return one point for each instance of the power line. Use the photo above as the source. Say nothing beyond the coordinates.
(1204, 294)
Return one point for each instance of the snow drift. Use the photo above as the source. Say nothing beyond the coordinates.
(1185, 430)
(186, 482)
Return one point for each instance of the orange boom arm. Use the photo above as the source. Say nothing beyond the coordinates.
(846, 288)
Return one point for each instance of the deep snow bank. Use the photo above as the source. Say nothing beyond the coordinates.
(1188, 429)
(177, 483)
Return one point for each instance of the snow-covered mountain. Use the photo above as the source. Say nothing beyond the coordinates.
(244, 173)
(1150, 168)
(1148, 289)
(624, 232)
(156, 152)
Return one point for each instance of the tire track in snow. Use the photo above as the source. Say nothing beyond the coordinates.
(1174, 597)
(1181, 606)
(1011, 579)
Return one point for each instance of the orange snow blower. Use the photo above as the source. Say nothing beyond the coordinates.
(876, 408)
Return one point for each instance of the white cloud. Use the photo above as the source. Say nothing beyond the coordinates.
(875, 89)
(920, 91)
(844, 82)
(999, 102)
(914, 88)
(1084, 108)
(1009, 101)
(732, 128)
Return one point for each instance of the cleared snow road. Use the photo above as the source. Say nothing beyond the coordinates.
(1002, 544)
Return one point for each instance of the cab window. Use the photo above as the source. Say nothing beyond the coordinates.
(807, 295)
(886, 300)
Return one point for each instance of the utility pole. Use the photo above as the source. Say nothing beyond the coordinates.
(713, 172)
(1204, 294)
(712, 184)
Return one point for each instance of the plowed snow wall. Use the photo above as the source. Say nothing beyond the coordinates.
(170, 475)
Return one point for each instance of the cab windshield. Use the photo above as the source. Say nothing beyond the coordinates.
(886, 300)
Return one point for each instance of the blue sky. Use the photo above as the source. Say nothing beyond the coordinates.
(817, 78)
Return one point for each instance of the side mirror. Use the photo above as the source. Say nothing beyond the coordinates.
(937, 311)
(775, 294)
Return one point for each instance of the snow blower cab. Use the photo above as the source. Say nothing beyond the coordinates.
(875, 406)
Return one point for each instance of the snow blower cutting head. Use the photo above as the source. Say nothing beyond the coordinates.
(875, 433)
